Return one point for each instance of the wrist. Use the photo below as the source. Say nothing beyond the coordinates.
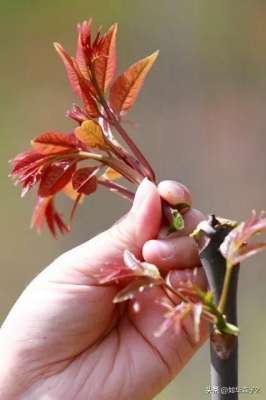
(13, 382)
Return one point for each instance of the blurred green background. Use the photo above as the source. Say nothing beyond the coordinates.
(201, 120)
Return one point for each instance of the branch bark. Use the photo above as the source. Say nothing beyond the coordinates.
(223, 348)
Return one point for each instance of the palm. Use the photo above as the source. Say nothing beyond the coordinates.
(120, 359)
(65, 338)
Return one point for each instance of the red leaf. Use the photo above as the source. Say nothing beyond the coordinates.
(77, 114)
(45, 212)
(25, 160)
(84, 180)
(84, 36)
(63, 228)
(27, 168)
(56, 177)
(71, 193)
(126, 88)
(55, 143)
(29, 180)
(79, 84)
(75, 205)
(38, 217)
(105, 63)
(99, 53)
(87, 94)
(70, 69)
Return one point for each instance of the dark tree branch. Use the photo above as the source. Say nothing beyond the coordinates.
(224, 348)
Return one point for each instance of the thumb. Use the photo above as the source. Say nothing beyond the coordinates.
(142, 223)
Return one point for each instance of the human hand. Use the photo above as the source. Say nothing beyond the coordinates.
(65, 339)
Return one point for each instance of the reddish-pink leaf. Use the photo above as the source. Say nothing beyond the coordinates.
(27, 168)
(45, 212)
(38, 216)
(87, 94)
(99, 54)
(134, 287)
(238, 246)
(132, 268)
(84, 35)
(74, 195)
(25, 160)
(63, 228)
(30, 180)
(175, 316)
(249, 250)
(77, 114)
(71, 193)
(113, 273)
(70, 69)
(56, 177)
(126, 88)
(84, 180)
(141, 268)
(105, 62)
(78, 82)
(75, 205)
(55, 143)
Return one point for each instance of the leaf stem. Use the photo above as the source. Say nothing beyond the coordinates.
(118, 165)
(226, 288)
(115, 122)
(175, 292)
(119, 189)
(135, 150)
(206, 311)
(123, 154)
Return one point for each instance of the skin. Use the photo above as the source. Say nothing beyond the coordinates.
(65, 339)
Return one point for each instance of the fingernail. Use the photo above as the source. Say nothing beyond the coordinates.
(164, 249)
(155, 250)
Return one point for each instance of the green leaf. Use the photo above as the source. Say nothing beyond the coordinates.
(177, 222)
(224, 327)
(208, 298)
(231, 329)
